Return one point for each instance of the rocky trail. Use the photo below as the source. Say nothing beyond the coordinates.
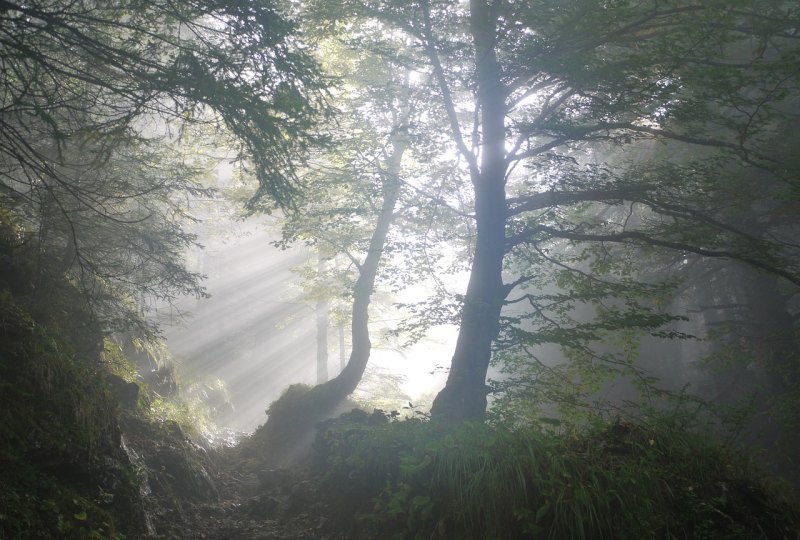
(190, 492)
(277, 504)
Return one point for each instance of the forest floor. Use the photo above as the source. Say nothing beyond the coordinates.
(253, 504)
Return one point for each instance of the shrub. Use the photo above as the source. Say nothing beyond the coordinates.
(414, 479)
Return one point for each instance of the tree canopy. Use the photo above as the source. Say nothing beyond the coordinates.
(564, 141)
(616, 182)
(594, 125)
(79, 69)
(99, 103)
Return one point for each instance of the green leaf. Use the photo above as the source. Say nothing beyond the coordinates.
(550, 421)
(542, 511)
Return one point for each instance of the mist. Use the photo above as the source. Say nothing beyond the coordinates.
(486, 269)
(256, 332)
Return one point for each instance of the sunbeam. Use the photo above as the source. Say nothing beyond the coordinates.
(257, 335)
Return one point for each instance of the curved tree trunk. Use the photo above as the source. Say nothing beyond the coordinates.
(346, 382)
(289, 429)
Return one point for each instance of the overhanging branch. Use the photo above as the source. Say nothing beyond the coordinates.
(539, 201)
(640, 238)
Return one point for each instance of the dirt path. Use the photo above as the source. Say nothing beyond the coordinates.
(253, 504)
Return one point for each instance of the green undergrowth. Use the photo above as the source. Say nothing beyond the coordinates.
(40, 373)
(36, 505)
(285, 439)
(284, 411)
(416, 479)
(166, 394)
(57, 427)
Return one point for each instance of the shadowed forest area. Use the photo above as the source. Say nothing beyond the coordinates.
(235, 238)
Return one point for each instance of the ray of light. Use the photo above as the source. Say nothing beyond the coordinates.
(258, 337)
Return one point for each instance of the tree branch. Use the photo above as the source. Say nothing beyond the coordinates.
(429, 42)
(538, 201)
(638, 237)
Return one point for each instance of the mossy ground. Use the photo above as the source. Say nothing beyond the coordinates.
(286, 438)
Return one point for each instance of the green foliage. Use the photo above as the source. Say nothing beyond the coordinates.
(573, 330)
(614, 480)
(289, 399)
(57, 429)
(64, 390)
(111, 125)
(33, 505)
(40, 371)
(380, 389)
(130, 60)
(168, 393)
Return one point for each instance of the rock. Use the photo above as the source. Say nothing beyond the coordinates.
(126, 393)
(177, 467)
(272, 478)
(302, 494)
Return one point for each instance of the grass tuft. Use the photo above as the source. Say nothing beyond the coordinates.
(617, 480)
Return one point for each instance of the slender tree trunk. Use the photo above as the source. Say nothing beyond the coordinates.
(342, 354)
(464, 395)
(345, 383)
(289, 430)
(321, 312)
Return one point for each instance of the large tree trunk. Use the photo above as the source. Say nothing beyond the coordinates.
(342, 354)
(464, 395)
(287, 435)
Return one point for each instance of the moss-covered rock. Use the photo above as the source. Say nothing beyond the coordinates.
(286, 438)
(81, 454)
(177, 469)
(63, 466)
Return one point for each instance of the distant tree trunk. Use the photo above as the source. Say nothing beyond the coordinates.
(749, 320)
(342, 354)
(775, 426)
(464, 395)
(773, 330)
(321, 311)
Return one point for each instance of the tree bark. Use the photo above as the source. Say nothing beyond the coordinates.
(342, 354)
(288, 433)
(321, 312)
(464, 395)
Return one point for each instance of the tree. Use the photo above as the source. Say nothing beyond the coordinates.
(562, 89)
(640, 89)
(96, 99)
(748, 363)
(322, 323)
(357, 186)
